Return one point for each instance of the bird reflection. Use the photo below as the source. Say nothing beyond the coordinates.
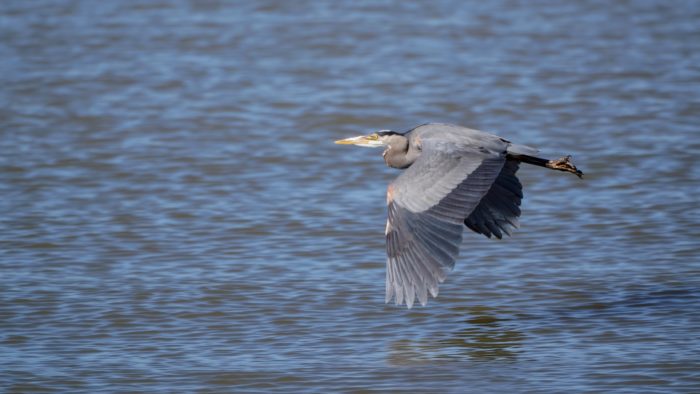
(483, 336)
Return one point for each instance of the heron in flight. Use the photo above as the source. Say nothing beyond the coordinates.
(454, 176)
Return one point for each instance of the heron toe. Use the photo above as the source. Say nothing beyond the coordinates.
(565, 164)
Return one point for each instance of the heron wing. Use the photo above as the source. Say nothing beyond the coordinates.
(427, 205)
(499, 210)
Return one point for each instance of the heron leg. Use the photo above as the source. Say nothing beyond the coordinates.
(563, 164)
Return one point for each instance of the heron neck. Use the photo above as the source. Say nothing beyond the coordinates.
(399, 155)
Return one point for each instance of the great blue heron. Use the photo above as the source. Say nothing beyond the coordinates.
(454, 176)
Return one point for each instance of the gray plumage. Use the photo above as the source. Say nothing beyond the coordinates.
(454, 176)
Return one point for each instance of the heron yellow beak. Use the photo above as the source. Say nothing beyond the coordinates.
(370, 141)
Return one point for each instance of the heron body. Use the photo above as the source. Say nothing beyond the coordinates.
(453, 177)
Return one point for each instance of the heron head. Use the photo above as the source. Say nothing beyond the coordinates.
(374, 140)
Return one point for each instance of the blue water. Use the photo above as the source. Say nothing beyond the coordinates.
(175, 217)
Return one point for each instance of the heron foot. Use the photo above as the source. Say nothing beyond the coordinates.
(564, 164)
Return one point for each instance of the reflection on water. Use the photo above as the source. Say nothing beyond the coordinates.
(175, 216)
(483, 337)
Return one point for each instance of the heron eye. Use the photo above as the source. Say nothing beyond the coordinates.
(374, 137)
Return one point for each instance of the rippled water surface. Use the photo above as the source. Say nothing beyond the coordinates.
(174, 216)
